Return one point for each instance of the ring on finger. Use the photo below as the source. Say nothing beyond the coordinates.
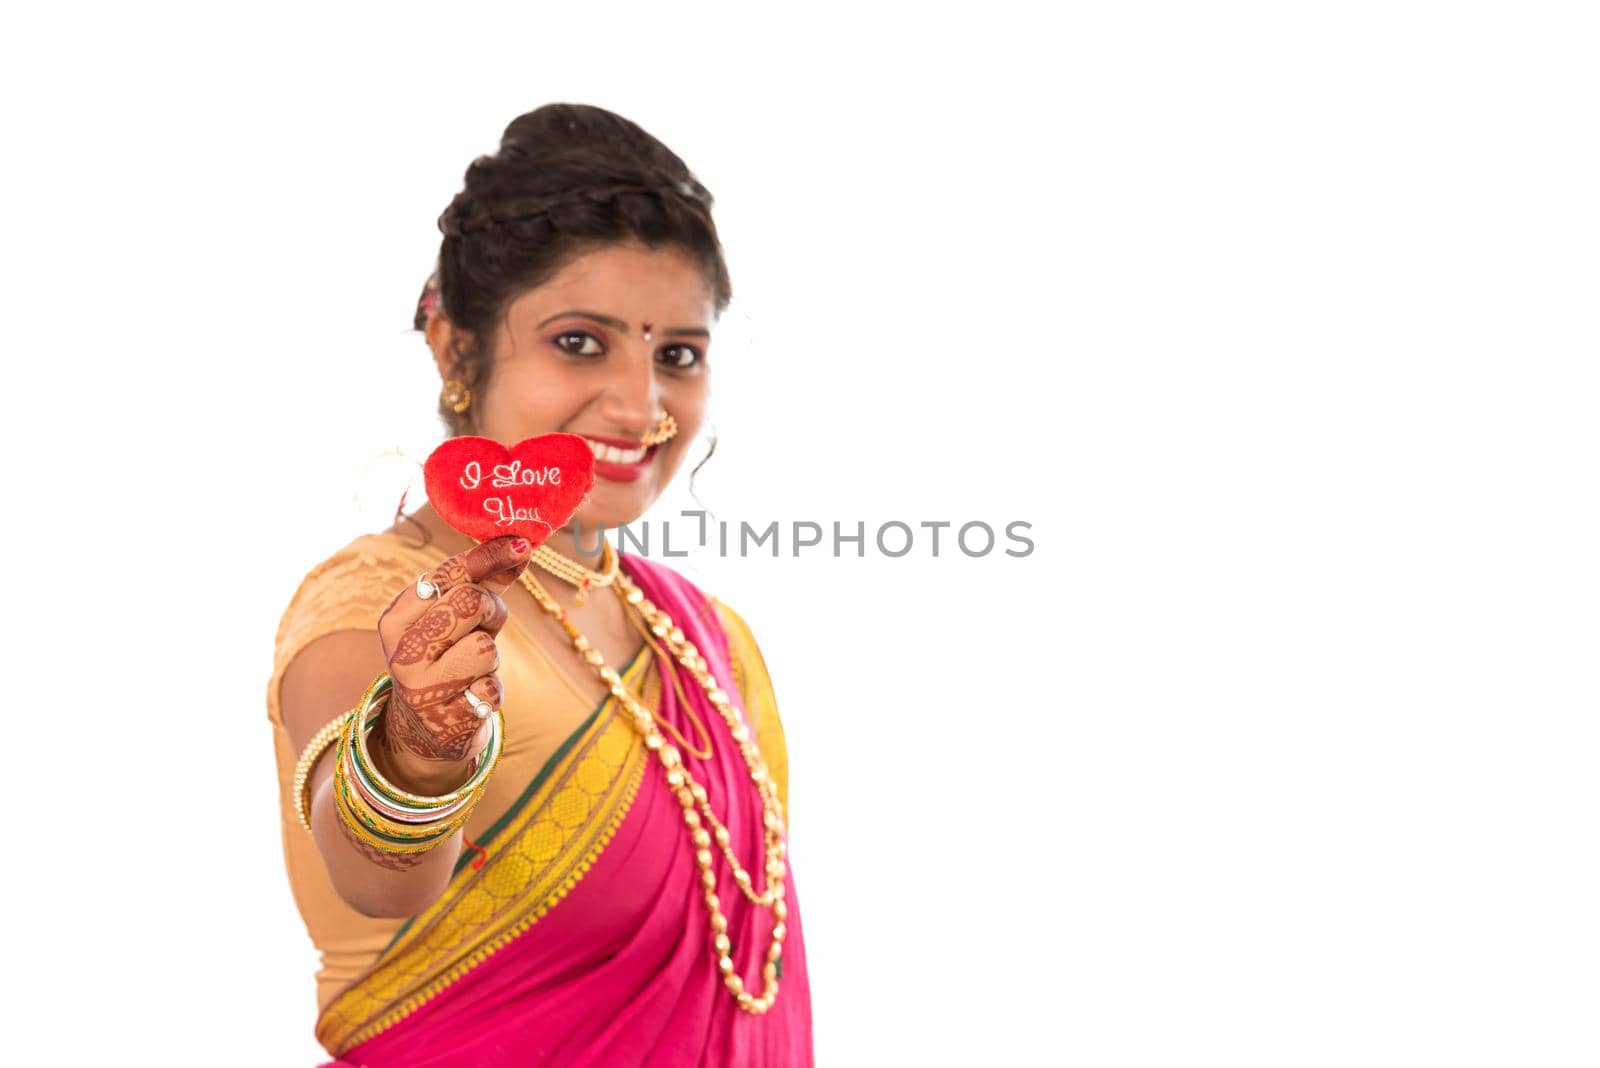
(479, 706)
(425, 589)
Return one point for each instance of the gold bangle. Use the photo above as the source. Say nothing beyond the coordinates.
(376, 822)
(367, 713)
(345, 803)
(361, 833)
(353, 807)
(308, 759)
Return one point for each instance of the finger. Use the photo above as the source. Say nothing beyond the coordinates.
(460, 613)
(489, 693)
(509, 561)
(471, 717)
(475, 655)
(409, 605)
(479, 738)
(495, 557)
(442, 723)
(499, 559)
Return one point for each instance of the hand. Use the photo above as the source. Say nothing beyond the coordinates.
(439, 648)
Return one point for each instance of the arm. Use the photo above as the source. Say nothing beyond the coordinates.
(434, 648)
(323, 681)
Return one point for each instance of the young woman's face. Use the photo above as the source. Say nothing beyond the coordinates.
(571, 356)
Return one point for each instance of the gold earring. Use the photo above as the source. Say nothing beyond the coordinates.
(665, 430)
(455, 395)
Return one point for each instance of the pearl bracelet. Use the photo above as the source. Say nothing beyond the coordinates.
(308, 759)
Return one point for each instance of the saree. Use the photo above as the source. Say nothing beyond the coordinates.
(574, 931)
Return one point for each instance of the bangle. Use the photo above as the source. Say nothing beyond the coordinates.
(381, 814)
(308, 759)
(416, 834)
(384, 815)
(363, 823)
(387, 845)
(394, 810)
(366, 717)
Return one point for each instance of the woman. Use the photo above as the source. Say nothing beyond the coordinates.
(582, 906)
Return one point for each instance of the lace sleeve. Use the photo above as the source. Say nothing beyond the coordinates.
(348, 591)
(755, 690)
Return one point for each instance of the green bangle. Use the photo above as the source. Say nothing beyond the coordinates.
(424, 835)
(377, 841)
(350, 812)
(367, 715)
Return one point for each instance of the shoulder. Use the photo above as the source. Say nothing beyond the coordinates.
(740, 636)
(349, 588)
(384, 549)
(754, 683)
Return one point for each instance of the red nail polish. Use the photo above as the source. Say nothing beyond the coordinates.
(519, 546)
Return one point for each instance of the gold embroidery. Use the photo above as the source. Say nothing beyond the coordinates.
(546, 847)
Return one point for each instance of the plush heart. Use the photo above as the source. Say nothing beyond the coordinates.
(486, 490)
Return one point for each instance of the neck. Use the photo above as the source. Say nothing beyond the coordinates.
(564, 543)
(587, 552)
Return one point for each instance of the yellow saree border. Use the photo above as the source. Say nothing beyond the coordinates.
(537, 856)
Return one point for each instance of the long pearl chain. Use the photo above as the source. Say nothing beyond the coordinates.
(697, 814)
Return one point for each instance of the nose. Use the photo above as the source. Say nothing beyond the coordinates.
(632, 396)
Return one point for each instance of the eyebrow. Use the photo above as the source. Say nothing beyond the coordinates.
(622, 327)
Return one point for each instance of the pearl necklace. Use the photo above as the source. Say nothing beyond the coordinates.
(691, 795)
(576, 574)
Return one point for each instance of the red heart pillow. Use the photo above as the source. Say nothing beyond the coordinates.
(486, 490)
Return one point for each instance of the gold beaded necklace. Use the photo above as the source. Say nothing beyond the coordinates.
(575, 574)
(703, 750)
(691, 795)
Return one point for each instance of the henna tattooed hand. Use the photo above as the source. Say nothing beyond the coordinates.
(440, 647)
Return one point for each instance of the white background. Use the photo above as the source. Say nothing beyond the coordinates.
(1277, 322)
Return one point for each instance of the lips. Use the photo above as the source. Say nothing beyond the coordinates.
(619, 459)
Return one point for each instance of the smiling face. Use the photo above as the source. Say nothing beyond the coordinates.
(571, 356)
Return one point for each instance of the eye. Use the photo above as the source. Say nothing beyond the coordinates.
(582, 348)
(680, 356)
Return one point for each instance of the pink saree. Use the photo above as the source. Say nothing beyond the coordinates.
(583, 938)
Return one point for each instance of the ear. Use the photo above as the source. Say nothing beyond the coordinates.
(447, 343)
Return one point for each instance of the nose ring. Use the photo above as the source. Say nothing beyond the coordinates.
(666, 429)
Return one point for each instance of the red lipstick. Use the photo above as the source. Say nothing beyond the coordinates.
(622, 472)
(625, 472)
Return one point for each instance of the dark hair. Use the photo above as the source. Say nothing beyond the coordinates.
(566, 180)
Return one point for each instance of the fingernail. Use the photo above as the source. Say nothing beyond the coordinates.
(519, 546)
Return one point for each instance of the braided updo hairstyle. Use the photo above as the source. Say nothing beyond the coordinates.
(567, 179)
